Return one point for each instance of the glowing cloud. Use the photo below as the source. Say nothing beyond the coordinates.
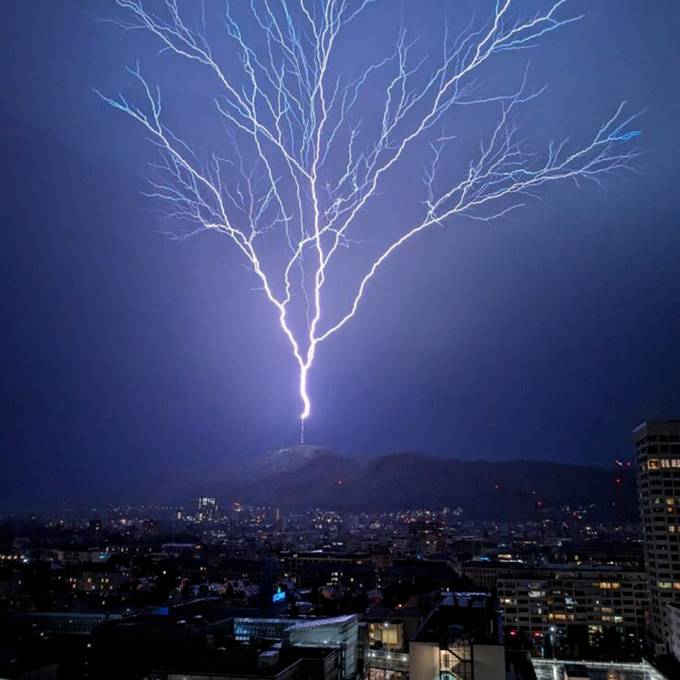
(302, 165)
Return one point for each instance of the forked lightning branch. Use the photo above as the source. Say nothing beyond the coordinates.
(306, 153)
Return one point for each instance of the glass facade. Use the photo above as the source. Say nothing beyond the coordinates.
(455, 661)
(341, 632)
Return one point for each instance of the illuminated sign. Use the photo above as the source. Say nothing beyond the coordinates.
(279, 595)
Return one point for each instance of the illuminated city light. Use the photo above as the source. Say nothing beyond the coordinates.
(304, 167)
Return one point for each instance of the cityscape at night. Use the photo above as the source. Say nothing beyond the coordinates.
(340, 340)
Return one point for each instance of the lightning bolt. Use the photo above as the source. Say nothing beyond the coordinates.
(301, 167)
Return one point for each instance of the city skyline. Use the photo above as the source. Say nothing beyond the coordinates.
(339, 340)
(402, 595)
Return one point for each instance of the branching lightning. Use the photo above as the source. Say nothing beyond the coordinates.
(302, 164)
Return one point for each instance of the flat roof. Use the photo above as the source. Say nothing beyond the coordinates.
(549, 670)
(245, 662)
(474, 623)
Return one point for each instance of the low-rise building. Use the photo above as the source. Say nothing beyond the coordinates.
(459, 639)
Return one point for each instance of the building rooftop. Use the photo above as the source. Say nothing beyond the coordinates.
(549, 670)
(658, 425)
(467, 615)
(579, 568)
(301, 624)
(243, 662)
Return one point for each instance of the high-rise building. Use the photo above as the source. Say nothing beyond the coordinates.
(657, 445)
(207, 508)
(673, 611)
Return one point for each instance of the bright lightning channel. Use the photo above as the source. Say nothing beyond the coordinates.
(289, 120)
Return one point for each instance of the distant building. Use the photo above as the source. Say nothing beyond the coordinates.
(279, 520)
(76, 556)
(484, 572)
(98, 579)
(657, 446)
(573, 608)
(207, 508)
(70, 623)
(176, 550)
